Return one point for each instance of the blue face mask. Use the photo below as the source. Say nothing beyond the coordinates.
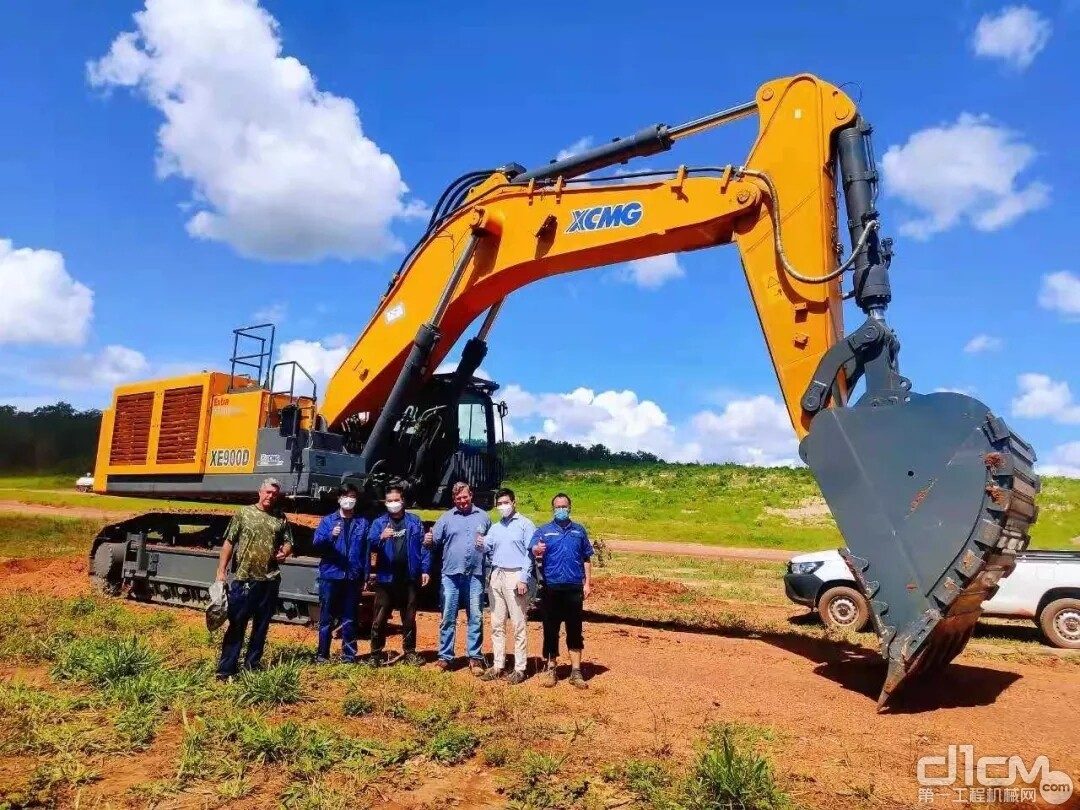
(562, 513)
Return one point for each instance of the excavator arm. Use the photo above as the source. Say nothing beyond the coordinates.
(514, 229)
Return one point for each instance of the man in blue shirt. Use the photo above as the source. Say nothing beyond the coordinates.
(507, 543)
(340, 542)
(402, 566)
(564, 549)
(455, 534)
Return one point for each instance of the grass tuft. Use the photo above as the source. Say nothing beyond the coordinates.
(275, 685)
(728, 775)
(105, 661)
(357, 705)
(453, 744)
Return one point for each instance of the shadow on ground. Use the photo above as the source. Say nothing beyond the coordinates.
(855, 668)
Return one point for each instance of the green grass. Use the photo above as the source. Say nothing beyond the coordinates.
(56, 481)
(718, 505)
(89, 500)
(723, 505)
(1059, 514)
(33, 536)
(731, 770)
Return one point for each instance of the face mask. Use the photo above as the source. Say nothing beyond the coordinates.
(347, 502)
(393, 507)
(562, 513)
(505, 509)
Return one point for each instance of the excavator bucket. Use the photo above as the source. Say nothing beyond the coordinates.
(934, 497)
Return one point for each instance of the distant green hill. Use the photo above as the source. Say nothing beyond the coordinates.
(730, 505)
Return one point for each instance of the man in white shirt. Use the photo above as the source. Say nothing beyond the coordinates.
(507, 544)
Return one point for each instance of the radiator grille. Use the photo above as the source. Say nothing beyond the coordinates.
(131, 429)
(180, 416)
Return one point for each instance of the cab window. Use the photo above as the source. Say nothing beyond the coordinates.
(472, 426)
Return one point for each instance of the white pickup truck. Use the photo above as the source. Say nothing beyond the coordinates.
(1044, 587)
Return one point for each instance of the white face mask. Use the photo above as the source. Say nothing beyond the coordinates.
(393, 507)
(505, 509)
(347, 502)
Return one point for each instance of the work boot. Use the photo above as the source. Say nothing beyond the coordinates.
(492, 674)
(442, 665)
(477, 666)
(412, 659)
(577, 680)
(550, 676)
(516, 677)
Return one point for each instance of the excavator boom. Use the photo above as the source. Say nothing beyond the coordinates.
(512, 230)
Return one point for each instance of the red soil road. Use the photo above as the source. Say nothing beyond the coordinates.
(652, 691)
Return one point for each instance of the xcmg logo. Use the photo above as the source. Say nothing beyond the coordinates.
(623, 215)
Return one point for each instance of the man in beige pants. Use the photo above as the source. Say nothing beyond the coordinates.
(507, 544)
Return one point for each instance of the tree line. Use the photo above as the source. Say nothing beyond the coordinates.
(53, 438)
(60, 439)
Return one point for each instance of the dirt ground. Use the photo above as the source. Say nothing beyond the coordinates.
(652, 690)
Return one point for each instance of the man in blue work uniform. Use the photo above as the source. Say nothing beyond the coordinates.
(402, 565)
(565, 550)
(507, 542)
(341, 543)
(455, 534)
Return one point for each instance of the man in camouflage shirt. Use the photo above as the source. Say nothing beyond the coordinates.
(261, 537)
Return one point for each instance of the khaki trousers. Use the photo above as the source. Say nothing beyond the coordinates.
(506, 602)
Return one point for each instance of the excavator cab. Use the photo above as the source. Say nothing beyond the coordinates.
(445, 437)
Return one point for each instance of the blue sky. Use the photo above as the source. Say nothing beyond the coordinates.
(138, 230)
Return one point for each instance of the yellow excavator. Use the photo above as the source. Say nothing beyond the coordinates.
(933, 493)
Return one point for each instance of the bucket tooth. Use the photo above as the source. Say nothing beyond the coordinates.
(934, 496)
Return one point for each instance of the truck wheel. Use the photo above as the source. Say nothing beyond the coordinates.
(1060, 623)
(844, 607)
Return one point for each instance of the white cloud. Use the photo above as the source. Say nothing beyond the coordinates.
(41, 303)
(753, 430)
(1060, 292)
(576, 148)
(110, 367)
(1064, 460)
(279, 169)
(968, 170)
(1042, 397)
(750, 431)
(651, 272)
(272, 313)
(1015, 35)
(983, 343)
(319, 358)
(968, 390)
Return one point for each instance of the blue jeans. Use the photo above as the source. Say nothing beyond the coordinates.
(461, 591)
(338, 600)
(249, 600)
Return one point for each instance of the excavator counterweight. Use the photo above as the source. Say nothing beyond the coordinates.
(934, 495)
